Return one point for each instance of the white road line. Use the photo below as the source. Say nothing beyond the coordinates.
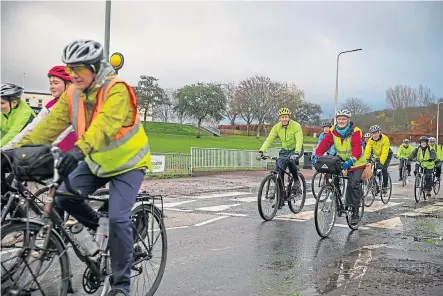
(177, 227)
(378, 205)
(393, 223)
(303, 216)
(225, 194)
(232, 214)
(178, 210)
(217, 208)
(174, 204)
(310, 201)
(245, 199)
(346, 226)
(210, 221)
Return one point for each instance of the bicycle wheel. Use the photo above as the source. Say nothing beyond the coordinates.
(148, 257)
(326, 195)
(436, 185)
(404, 175)
(423, 182)
(20, 278)
(268, 186)
(417, 188)
(361, 213)
(296, 203)
(318, 180)
(369, 194)
(385, 197)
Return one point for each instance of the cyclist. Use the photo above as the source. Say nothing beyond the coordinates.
(59, 80)
(112, 143)
(404, 151)
(346, 137)
(326, 127)
(291, 137)
(366, 137)
(16, 114)
(380, 146)
(426, 158)
(438, 154)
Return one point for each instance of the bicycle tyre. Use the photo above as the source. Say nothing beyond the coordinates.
(404, 175)
(302, 203)
(423, 182)
(369, 200)
(436, 186)
(321, 178)
(268, 178)
(53, 240)
(386, 197)
(148, 209)
(417, 188)
(333, 208)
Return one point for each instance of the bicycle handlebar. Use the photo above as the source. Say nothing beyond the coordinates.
(56, 153)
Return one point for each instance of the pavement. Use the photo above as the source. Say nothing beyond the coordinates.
(219, 245)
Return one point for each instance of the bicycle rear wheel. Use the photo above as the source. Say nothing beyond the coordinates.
(317, 182)
(436, 185)
(271, 190)
(326, 204)
(370, 190)
(385, 197)
(361, 213)
(297, 205)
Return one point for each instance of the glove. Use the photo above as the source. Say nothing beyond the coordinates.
(379, 166)
(259, 155)
(347, 164)
(314, 160)
(294, 157)
(69, 161)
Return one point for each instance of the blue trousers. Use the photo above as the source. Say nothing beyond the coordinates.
(123, 192)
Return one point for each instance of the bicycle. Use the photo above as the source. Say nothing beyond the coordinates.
(374, 185)
(420, 181)
(404, 171)
(51, 234)
(323, 179)
(332, 192)
(280, 195)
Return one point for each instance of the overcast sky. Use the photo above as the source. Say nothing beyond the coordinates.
(184, 42)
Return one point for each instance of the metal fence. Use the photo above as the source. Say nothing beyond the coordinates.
(176, 164)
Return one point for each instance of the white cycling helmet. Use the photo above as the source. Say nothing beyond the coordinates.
(343, 112)
(11, 91)
(374, 129)
(88, 52)
(432, 139)
(367, 135)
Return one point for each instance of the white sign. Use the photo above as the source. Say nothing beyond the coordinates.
(158, 163)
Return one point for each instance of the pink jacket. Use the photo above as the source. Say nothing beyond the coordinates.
(67, 142)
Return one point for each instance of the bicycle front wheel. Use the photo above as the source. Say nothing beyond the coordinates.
(385, 197)
(268, 198)
(325, 212)
(418, 190)
(436, 186)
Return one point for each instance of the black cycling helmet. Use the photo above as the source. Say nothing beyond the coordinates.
(424, 139)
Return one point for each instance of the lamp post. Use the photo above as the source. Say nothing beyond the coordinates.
(438, 116)
(107, 28)
(336, 81)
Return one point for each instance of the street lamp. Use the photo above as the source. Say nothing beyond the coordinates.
(336, 81)
(438, 115)
(107, 28)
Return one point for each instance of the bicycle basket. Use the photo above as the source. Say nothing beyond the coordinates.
(33, 163)
(328, 164)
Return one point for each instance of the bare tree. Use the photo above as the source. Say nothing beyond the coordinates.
(244, 106)
(164, 111)
(400, 98)
(425, 97)
(356, 106)
(231, 111)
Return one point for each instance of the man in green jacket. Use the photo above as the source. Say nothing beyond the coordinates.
(403, 153)
(291, 137)
(16, 114)
(438, 153)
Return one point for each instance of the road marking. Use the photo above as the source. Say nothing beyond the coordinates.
(178, 210)
(346, 226)
(177, 227)
(310, 201)
(217, 208)
(378, 205)
(174, 204)
(393, 223)
(232, 214)
(303, 216)
(210, 221)
(246, 199)
(226, 194)
(428, 210)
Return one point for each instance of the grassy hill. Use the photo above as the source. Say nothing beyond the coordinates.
(179, 138)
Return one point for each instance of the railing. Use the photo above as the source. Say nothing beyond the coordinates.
(171, 164)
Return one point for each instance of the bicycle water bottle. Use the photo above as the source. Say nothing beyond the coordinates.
(102, 235)
(85, 239)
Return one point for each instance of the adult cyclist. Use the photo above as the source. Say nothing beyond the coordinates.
(438, 154)
(425, 156)
(290, 134)
(59, 81)
(346, 137)
(380, 146)
(112, 143)
(16, 114)
(326, 125)
(404, 151)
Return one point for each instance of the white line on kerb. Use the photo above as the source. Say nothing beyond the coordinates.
(210, 221)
